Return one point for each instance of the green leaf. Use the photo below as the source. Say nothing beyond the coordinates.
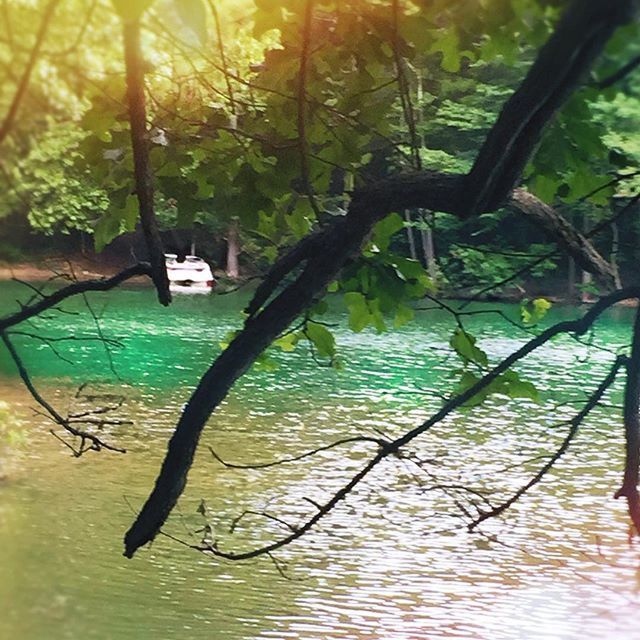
(404, 314)
(194, 15)
(359, 315)
(129, 214)
(522, 389)
(546, 187)
(464, 345)
(532, 311)
(385, 229)
(106, 229)
(508, 384)
(449, 45)
(299, 220)
(468, 380)
(322, 339)
(265, 363)
(287, 342)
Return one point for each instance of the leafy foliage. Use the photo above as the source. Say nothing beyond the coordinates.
(532, 311)
(52, 185)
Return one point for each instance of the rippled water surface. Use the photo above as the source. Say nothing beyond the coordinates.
(394, 562)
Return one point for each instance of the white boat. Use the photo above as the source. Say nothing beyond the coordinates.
(192, 275)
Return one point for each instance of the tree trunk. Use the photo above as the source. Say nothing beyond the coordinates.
(428, 249)
(233, 250)
(586, 278)
(409, 227)
(571, 280)
(615, 248)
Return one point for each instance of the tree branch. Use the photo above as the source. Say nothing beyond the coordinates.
(564, 234)
(577, 327)
(66, 423)
(142, 168)
(83, 286)
(620, 74)
(307, 454)
(560, 66)
(23, 85)
(172, 478)
(574, 424)
(631, 414)
(500, 161)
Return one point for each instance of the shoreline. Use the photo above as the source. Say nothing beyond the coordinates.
(85, 268)
(59, 269)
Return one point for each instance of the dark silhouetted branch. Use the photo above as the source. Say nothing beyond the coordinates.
(142, 168)
(620, 74)
(559, 68)
(83, 286)
(577, 327)
(631, 414)
(95, 443)
(579, 38)
(307, 454)
(575, 422)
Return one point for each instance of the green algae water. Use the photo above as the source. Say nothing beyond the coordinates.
(393, 562)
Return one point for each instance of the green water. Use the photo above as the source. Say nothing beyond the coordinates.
(392, 563)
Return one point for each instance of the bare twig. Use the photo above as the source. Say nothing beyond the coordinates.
(51, 300)
(574, 424)
(267, 465)
(95, 443)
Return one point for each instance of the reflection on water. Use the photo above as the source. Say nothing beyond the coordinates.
(394, 562)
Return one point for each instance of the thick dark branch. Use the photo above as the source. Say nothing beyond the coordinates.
(172, 478)
(620, 74)
(23, 84)
(631, 414)
(558, 70)
(77, 288)
(541, 93)
(142, 168)
(568, 238)
(577, 327)
(282, 267)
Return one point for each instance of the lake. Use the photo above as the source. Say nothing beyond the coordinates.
(393, 562)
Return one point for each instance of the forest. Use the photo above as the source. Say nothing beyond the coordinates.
(446, 179)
